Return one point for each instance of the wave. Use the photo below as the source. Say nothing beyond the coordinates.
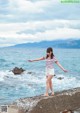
(16, 86)
(67, 82)
(60, 81)
(2, 60)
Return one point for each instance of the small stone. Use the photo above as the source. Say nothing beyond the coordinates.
(29, 73)
(60, 78)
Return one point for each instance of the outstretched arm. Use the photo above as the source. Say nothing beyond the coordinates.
(43, 58)
(57, 62)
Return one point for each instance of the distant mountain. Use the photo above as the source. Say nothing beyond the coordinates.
(69, 43)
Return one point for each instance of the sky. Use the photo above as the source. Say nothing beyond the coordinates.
(23, 21)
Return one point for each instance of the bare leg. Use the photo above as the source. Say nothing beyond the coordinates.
(52, 89)
(50, 84)
(47, 86)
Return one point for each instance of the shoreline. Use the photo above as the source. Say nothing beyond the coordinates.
(64, 100)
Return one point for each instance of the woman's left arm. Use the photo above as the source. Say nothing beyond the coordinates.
(57, 62)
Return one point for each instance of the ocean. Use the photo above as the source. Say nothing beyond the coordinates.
(13, 87)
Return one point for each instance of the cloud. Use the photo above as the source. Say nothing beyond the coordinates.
(35, 31)
(38, 26)
(28, 6)
(26, 10)
(62, 33)
(35, 20)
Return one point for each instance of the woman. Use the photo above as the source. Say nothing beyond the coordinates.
(50, 59)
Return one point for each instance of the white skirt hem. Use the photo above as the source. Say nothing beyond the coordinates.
(50, 71)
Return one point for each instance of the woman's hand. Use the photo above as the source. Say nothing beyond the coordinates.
(30, 61)
(65, 70)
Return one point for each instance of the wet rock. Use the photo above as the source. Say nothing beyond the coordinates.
(60, 78)
(33, 73)
(17, 70)
(54, 75)
(29, 72)
(68, 100)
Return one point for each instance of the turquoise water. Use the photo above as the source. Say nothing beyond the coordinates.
(26, 85)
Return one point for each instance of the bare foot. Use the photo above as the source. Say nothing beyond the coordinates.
(46, 94)
(52, 94)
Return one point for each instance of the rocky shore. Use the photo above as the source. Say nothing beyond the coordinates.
(67, 101)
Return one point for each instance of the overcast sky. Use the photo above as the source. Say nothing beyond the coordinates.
(24, 21)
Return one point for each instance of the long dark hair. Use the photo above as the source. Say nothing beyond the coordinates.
(48, 51)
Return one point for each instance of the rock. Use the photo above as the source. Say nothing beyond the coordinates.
(29, 72)
(54, 75)
(68, 100)
(60, 78)
(17, 70)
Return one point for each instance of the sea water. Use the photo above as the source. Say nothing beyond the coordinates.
(13, 87)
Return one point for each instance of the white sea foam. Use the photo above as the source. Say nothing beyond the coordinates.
(66, 82)
(31, 79)
(2, 75)
(33, 84)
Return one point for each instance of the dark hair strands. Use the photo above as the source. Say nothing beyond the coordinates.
(48, 51)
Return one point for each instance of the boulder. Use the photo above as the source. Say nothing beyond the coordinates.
(62, 102)
(17, 70)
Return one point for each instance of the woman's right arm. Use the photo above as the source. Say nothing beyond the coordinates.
(57, 62)
(43, 58)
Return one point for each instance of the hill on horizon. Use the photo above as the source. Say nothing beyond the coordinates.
(68, 43)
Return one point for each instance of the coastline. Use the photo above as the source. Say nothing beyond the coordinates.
(65, 100)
